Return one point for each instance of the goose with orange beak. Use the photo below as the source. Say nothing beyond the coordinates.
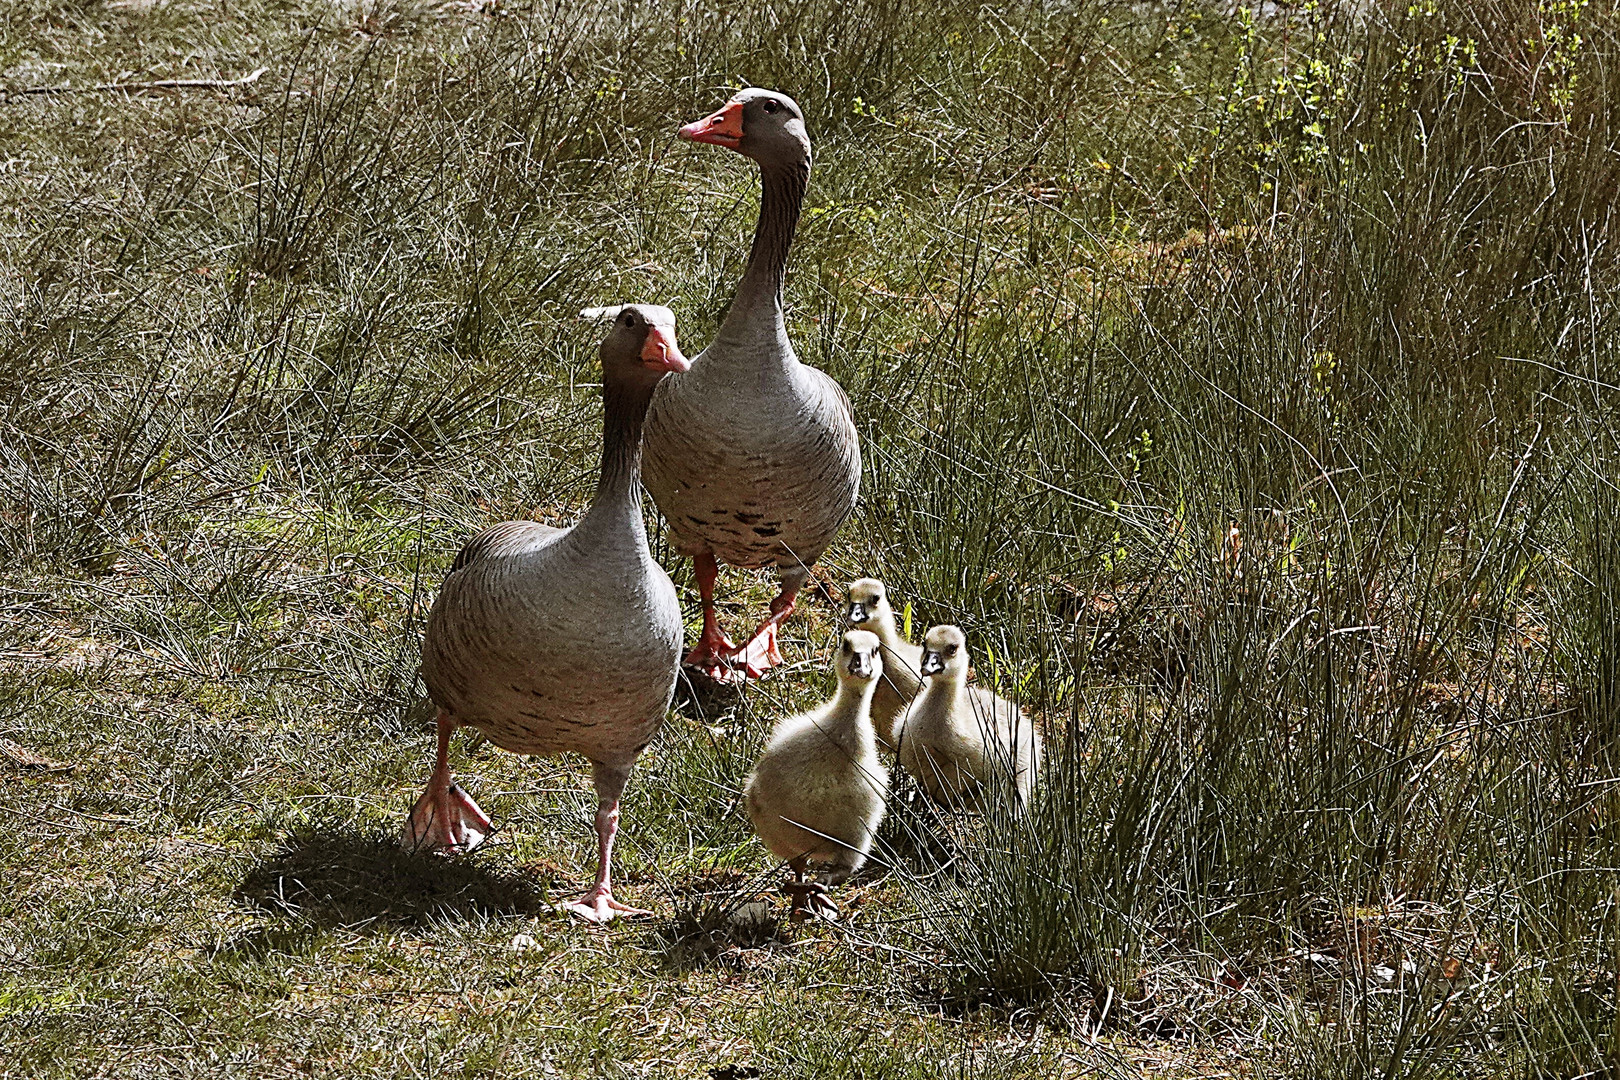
(554, 640)
(722, 128)
(753, 457)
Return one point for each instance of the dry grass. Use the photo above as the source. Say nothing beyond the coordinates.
(1242, 382)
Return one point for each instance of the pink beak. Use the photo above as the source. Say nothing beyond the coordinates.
(660, 353)
(723, 128)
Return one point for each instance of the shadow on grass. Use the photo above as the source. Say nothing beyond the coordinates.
(721, 921)
(700, 697)
(349, 879)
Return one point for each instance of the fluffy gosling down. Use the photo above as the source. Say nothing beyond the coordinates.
(869, 609)
(817, 795)
(961, 741)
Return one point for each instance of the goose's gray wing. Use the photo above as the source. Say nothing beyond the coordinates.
(505, 538)
(830, 388)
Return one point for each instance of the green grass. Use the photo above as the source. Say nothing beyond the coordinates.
(1243, 383)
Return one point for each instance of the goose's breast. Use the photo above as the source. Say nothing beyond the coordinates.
(758, 487)
(546, 662)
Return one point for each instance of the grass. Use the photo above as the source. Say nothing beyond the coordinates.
(1241, 379)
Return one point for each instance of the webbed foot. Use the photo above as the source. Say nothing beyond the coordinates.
(445, 821)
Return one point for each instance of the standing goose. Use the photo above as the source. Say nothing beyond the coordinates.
(869, 609)
(817, 794)
(959, 740)
(753, 458)
(549, 640)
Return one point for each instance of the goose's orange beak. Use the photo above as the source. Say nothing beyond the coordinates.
(723, 128)
(660, 353)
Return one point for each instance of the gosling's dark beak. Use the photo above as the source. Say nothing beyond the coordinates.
(857, 613)
(933, 663)
(860, 664)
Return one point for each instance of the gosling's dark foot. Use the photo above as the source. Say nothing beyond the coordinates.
(809, 898)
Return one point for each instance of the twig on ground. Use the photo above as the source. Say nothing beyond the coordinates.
(141, 87)
(23, 758)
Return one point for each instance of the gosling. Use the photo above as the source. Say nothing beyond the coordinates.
(817, 795)
(962, 741)
(869, 609)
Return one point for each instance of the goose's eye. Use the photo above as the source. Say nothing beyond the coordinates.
(629, 319)
(771, 106)
(846, 646)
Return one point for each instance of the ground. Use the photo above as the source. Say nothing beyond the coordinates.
(1241, 379)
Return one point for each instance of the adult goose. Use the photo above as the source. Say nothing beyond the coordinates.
(869, 609)
(964, 742)
(816, 797)
(549, 640)
(753, 458)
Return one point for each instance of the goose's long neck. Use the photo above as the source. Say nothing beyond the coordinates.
(755, 317)
(618, 489)
(852, 714)
(938, 696)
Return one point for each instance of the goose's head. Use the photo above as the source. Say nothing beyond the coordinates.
(859, 659)
(945, 652)
(760, 124)
(640, 346)
(869, 603)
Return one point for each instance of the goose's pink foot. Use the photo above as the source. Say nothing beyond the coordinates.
(760, 654)
(598, 906)
(445, 819)
(711, 655)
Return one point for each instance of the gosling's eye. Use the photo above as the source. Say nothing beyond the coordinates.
(846, 646)
(950, 650)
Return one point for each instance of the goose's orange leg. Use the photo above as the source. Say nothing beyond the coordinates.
(713, 648)
(760, 654)
(445, 819)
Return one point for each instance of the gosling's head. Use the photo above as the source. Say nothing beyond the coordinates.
(859, 659)
(760, 124)
(869, 603)
(945, 652)
(640, 346)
